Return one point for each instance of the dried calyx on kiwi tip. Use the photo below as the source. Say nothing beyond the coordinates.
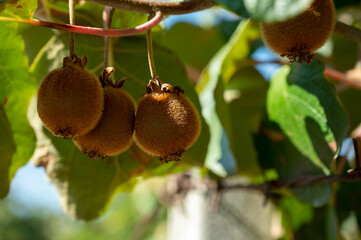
(114, 132)
(70, 99)
(166, 123)
(299, 37)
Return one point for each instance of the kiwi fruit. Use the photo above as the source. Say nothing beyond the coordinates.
(299, 37)
(70, 99)
(114, 132)
(166, 123)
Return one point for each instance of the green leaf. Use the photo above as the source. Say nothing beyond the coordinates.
(245, 96)
(48, 58)
(18, 8)
(35, 38)
(7, 149)
(85, 186)
(221, 70)
(90, 14)
(17, 88)
(294, 213)
(342, 53)
(235, 6)
(315, 229)
(317, 194)
(332, 225)
(196, 50)
(345, 53)
(275, 10)
(348, 198)
(348, 99)
(276, 151)
(305, 106)
(266, 10)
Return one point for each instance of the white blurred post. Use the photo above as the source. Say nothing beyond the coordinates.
(241, 215)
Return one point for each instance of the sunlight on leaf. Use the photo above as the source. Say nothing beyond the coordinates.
(276, 10)
(305, 106)
(222, 76)
(7, 149)
(17, 86)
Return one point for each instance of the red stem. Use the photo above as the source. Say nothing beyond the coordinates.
(341, 78)
(92, 30)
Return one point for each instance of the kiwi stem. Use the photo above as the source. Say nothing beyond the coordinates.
(71, 34)
(108, 44)
(91, 30)
(153, 71)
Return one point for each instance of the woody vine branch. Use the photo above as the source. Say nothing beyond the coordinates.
(167, 8)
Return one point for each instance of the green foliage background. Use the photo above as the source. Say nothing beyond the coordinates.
(292, 126)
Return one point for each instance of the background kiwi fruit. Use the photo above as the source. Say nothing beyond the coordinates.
(299, 37)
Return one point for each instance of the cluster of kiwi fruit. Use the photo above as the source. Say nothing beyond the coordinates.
(102, 120)
(299, 37)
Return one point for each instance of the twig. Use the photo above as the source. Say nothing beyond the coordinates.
(167, 8)
(353, 176)
(152, 69)
(91, 30)
(348, 31)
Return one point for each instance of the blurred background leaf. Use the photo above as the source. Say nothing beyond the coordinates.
(276, 151)
(85, 186)
(197, 50)
(7, 148)
(227, 85)
(276, 10)
(237, 7)
(267, 10)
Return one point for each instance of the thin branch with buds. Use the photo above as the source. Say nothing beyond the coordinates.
(353, 175)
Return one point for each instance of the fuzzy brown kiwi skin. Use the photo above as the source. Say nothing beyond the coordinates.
(114, 132)
(70, 99)
(166, 124)
(299, 37)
